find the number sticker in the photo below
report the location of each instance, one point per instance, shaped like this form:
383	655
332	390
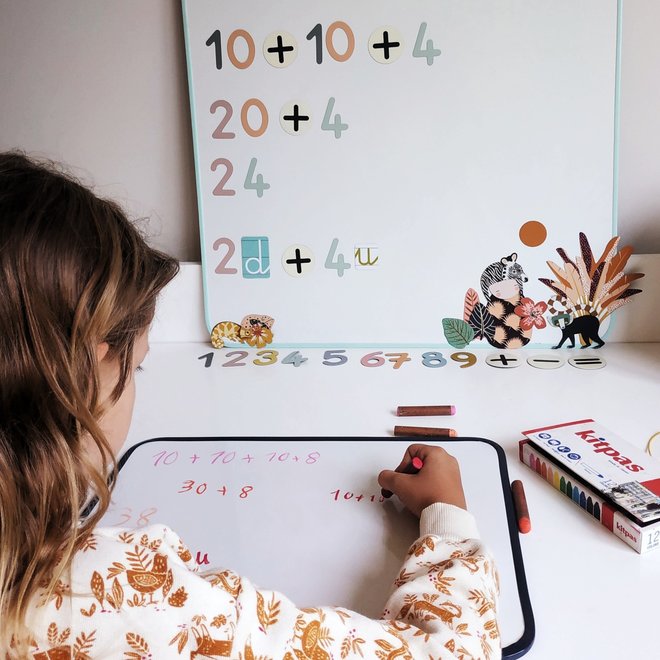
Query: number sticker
258	185
330	42
219	133
336	261
221	268
216	40
208	359
433	359
317	33
295	358
254	132
336	124
398	358
270	357
231	50
236	362
465	359
338	355
373	359
428	51
220	190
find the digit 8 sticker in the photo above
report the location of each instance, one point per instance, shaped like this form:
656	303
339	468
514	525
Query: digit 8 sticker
433	359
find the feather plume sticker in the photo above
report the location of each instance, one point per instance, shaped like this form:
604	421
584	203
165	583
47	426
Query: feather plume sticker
588	290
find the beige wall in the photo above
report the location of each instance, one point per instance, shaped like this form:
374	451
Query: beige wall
101	85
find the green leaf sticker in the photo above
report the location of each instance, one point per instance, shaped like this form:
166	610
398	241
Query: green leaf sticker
457	332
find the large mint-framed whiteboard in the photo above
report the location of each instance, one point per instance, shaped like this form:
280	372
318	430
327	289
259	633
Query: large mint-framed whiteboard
305	516
361	164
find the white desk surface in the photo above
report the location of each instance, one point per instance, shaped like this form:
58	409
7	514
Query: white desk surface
592	595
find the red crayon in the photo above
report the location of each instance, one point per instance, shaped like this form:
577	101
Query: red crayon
520	502
413	468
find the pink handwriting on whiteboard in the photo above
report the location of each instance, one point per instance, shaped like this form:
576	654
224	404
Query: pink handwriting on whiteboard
345	495
200	487
225	457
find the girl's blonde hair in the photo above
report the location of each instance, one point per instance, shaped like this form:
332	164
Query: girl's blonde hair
74	272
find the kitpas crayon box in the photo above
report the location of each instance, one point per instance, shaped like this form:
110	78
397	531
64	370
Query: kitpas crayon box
611	480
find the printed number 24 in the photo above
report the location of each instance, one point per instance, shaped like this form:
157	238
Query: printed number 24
253	180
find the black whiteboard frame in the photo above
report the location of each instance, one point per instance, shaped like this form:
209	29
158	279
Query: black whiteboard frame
512	651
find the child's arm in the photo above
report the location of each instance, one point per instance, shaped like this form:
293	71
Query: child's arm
443	605
444	599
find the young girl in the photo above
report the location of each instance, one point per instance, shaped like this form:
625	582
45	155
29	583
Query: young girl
78	287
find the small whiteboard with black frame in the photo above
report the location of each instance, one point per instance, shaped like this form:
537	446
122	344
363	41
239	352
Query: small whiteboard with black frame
306	517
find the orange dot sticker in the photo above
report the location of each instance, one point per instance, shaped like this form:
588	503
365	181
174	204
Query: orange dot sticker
533	233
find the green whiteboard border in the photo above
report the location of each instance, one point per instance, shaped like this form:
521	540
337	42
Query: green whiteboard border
512	651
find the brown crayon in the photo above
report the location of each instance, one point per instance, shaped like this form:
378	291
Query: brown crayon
520	502
424	411
424	432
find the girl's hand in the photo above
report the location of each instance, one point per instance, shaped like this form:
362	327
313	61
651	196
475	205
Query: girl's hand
439	480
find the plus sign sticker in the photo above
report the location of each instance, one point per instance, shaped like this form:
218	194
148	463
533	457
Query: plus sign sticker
386	45
298	260
503	360
280	49
295	118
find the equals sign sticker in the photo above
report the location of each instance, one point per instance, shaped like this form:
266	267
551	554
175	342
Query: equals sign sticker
546	361
587	362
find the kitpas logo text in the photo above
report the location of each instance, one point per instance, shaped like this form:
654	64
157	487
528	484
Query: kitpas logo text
599	446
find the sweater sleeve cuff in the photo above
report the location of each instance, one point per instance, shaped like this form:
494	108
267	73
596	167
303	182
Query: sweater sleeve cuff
448	521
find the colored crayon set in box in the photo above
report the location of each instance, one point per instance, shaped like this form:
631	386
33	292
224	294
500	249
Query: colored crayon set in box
609	479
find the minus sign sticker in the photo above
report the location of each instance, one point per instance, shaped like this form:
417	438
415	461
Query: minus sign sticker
546	361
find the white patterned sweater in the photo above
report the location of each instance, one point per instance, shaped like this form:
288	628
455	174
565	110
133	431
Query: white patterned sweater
137	594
